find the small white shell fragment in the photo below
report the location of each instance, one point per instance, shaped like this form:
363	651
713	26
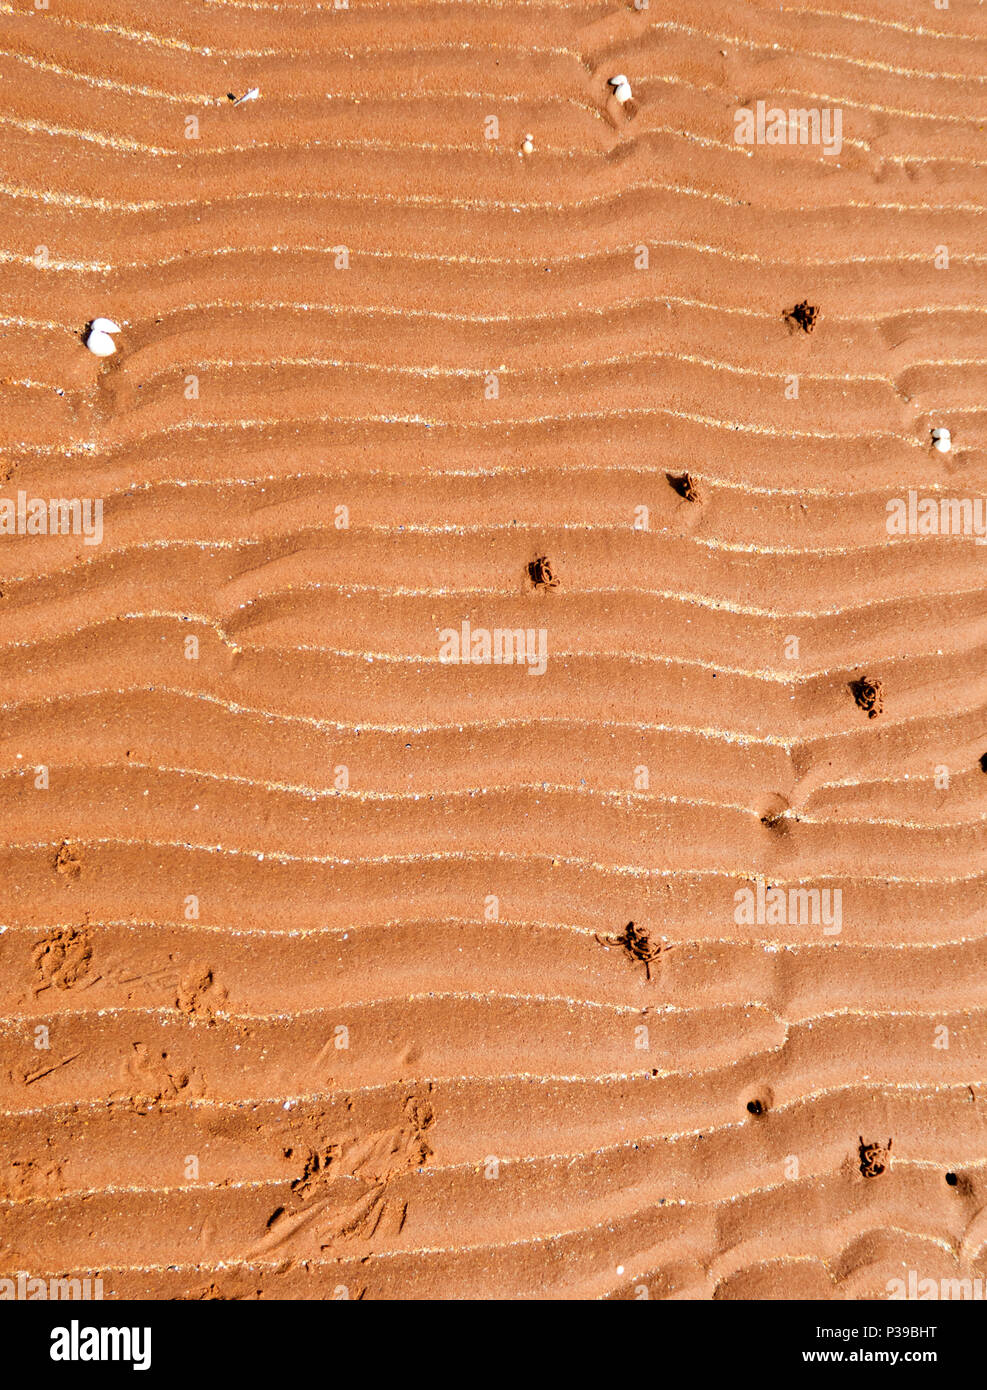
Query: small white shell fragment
529	145
252	95
941	441
101	344
621	88
98	339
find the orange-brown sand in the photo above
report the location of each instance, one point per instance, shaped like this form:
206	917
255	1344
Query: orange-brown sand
334	966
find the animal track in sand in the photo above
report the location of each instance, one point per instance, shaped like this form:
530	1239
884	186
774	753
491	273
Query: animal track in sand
30	1177
212	1293
62	959
155	1079
361	1206
199	997
68	861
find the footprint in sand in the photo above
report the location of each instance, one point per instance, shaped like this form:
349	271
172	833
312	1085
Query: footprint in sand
62	959
343	1190
68	861
199	997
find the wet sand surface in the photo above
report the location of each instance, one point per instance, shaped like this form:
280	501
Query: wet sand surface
317	975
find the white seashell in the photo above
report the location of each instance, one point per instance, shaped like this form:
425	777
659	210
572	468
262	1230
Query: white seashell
98	339
621	89
529	145
252	95
619	81
941	441
101	344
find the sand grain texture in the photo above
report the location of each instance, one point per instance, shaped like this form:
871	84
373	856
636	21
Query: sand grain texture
293	842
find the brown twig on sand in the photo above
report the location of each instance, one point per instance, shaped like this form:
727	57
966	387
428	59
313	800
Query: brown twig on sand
682	484
874	1158
804	316
638	944
540	573
869	696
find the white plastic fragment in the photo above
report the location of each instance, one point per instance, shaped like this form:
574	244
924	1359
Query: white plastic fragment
941	441
98	339
621	88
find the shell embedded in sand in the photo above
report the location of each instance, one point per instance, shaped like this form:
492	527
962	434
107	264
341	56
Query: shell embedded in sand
529	145
941	441
621	88
98	339
101	344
